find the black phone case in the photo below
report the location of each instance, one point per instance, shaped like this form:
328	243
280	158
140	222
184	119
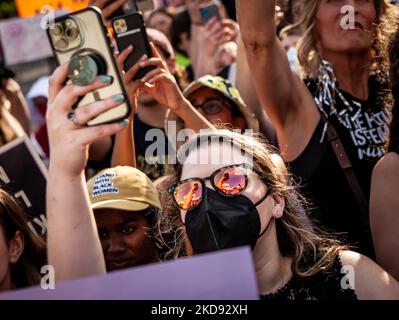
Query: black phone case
135	35
97	28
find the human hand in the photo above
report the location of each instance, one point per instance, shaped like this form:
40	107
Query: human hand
10	86
217	33
193	7
160	83
107	8
132	86
69	140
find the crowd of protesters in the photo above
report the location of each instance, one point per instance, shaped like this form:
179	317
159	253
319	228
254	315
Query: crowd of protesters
294	116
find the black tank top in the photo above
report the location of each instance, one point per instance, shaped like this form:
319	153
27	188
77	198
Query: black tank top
325	285
321	178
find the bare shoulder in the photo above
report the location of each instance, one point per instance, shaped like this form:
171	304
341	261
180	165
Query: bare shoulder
385	179
387	166
371	281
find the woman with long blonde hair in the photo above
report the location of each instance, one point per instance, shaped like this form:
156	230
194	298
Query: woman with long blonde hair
331	125
293	261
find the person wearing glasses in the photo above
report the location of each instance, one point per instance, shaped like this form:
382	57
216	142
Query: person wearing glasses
292	260
343	94
154	95
219	102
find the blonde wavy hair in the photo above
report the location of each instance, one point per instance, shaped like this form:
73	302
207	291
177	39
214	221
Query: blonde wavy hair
297	236
307	47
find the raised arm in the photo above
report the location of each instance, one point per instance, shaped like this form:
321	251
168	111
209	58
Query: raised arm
384	213
285	97
161	84
19	107
74	248
245	85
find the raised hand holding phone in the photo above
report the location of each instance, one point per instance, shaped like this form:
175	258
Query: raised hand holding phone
210	11
193	7
132	86
81	40
130	30
160	83
69	137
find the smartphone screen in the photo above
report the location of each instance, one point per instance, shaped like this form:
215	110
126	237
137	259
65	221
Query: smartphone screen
208	12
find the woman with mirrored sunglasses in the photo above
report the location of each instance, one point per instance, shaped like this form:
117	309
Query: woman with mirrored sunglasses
233	190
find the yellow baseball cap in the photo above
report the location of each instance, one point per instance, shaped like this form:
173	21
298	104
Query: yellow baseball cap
122	188
224	87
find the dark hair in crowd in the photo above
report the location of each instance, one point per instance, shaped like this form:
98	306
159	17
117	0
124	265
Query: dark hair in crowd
181	24
26	272
393	144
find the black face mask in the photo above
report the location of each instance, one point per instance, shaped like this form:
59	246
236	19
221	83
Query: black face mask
220	222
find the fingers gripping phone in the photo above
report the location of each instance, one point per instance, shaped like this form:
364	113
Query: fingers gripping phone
81	40
130	30
208	12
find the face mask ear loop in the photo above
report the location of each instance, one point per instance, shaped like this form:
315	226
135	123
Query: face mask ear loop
263	198
258	203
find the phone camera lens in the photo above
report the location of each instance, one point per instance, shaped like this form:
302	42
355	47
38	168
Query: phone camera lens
57	30
72	33
61	44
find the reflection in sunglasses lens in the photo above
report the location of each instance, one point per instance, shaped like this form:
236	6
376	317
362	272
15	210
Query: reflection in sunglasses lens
231	181
188	194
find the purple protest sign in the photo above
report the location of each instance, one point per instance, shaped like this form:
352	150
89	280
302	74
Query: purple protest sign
225	275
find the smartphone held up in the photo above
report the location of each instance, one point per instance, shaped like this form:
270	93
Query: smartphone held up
209	11
130	30
81	40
